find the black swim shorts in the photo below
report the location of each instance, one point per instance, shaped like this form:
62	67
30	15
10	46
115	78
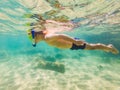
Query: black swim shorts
76	47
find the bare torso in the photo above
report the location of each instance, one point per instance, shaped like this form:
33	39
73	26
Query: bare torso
58	40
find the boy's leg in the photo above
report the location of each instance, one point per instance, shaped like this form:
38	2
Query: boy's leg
106	48
79	44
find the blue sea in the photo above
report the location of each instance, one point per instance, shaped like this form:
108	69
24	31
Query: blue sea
24	67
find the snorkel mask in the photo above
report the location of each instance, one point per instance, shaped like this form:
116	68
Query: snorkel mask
31	36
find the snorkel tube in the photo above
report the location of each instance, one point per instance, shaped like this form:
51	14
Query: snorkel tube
31	36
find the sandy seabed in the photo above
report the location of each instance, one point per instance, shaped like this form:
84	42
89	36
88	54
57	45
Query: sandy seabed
86	73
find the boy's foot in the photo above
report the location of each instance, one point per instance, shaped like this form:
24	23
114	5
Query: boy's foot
113	49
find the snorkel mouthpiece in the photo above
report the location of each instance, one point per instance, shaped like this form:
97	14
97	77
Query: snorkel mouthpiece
34	44
31	36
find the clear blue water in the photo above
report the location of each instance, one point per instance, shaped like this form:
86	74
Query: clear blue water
20	63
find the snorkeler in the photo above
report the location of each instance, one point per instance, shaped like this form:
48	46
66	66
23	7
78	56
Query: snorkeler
44	30
65	42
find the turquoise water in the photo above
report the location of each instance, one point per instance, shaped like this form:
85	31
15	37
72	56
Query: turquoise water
23	67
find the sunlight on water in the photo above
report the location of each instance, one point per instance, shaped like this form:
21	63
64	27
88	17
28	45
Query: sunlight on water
23	67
